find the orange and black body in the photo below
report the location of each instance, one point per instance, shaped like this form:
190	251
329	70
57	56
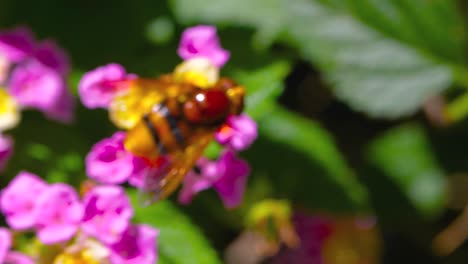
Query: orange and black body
181	125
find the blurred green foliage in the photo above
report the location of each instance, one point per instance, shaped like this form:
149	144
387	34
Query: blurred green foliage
180	242
406	157
381	58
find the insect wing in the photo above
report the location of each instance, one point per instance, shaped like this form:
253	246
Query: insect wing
128	107
162	181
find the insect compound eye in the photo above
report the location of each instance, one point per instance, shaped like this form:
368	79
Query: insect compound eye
215	104
207	106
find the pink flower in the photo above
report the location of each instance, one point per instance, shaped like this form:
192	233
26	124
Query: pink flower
17	44
109	162
18	200
5	243
107	213
6	149
98	87
18	258
231	184
238	133
59	213
38	79
137	246
7	256
51	55
202	41
228	176
141	169
195	182
35	85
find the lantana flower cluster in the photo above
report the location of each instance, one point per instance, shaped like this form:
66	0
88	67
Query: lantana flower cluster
33	75
109	162
94	228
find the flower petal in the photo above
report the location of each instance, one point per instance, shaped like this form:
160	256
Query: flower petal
18	200
202	42
6	150
231	185
98	87
107	213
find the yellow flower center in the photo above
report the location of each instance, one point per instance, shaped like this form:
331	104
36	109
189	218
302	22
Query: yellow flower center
9	112
74	259
90	252
199	72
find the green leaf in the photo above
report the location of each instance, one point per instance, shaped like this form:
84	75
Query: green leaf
263	87
374	53
179	241
405	156
302	161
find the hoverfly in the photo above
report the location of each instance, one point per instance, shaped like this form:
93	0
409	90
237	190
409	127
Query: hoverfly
173	124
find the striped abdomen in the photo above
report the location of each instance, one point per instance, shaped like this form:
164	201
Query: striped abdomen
159	132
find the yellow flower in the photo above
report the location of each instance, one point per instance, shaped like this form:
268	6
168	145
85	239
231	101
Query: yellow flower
198	71
9	111
89	252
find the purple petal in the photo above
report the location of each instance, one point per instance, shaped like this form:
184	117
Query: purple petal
59	213
109	162
193	184
56	233
36	86
197	182
231	185
98	87
202	41
18	258
107	213
16	44
6	150
141	169
137	246
238	133
51	55
5	243
18	200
